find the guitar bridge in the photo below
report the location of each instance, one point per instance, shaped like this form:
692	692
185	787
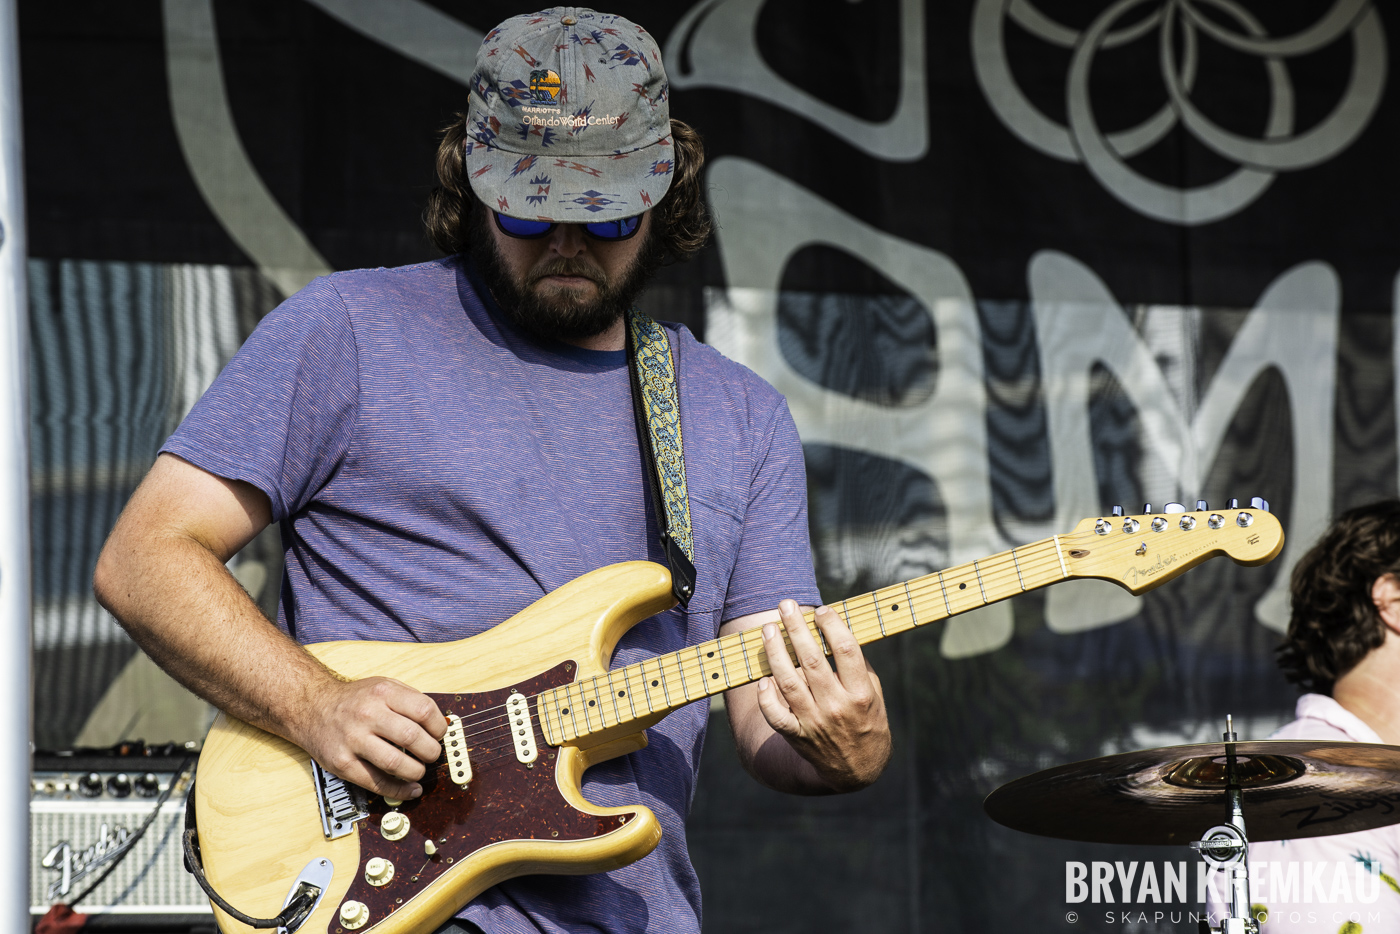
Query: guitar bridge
341	803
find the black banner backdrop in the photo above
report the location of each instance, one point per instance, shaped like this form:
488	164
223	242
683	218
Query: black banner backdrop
1012	263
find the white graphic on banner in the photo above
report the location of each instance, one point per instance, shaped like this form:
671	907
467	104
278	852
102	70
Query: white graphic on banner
213	150
416	30
765	219
1281	147
1078	323
715	45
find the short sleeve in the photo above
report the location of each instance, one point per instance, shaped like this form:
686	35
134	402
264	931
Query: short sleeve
282	413
774	561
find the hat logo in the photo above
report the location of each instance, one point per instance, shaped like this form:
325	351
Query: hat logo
544	86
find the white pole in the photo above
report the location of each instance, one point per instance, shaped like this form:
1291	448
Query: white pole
16	723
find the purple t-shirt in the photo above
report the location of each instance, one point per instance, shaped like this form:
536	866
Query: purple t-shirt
434	472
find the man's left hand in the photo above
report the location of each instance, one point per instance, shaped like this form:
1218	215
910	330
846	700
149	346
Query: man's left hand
835	720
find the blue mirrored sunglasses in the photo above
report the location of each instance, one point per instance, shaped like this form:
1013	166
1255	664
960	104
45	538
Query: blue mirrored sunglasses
523	229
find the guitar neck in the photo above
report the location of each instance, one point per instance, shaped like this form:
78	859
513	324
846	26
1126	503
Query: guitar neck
666	682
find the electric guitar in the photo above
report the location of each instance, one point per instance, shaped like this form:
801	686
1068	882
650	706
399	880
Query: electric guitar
531	704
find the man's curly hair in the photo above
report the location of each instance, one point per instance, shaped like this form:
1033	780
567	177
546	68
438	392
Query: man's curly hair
680	221
1334	623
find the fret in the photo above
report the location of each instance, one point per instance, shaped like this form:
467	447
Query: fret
646	685
577	707
665	689
765	667
680	671
552	735
627	686
693	695
591	705
573	710
719	644
1060	553
1017	563
710	677
595	703
612	697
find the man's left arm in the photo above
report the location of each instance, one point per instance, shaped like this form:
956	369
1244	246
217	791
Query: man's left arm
809	729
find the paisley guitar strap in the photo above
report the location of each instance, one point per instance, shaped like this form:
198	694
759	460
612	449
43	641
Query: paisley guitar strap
656	405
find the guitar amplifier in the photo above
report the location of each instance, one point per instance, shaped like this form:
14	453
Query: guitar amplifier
83	808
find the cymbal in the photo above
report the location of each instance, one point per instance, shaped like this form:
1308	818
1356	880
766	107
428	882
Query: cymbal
1291	789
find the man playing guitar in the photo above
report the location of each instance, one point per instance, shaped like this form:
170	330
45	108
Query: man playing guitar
443	444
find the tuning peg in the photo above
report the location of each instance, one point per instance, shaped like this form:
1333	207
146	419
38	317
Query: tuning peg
1258	502
1147	509
1117	510
1201	505
1174	507
1233	504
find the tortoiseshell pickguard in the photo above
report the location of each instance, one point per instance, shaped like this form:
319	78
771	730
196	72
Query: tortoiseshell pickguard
505	800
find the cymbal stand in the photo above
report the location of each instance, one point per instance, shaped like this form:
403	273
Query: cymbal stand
1226	847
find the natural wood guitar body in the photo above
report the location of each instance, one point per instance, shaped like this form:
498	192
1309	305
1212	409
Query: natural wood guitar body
255	803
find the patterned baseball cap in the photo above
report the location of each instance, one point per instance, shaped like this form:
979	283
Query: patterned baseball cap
569	118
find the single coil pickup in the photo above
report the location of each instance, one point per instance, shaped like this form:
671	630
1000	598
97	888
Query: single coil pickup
522	731
454	744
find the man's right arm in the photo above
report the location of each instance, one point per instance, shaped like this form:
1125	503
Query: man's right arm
162	574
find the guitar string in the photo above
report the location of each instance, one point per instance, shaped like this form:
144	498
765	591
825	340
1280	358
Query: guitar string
1039	557
860	617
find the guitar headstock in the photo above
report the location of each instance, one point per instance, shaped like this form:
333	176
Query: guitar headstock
1143	551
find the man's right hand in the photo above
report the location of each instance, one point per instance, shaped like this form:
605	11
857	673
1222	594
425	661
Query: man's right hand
379	733
162	573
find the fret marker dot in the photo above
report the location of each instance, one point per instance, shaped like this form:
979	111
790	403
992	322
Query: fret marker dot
621	693
962	586
655	683
590	703
895	607
715	675
710	655
565	711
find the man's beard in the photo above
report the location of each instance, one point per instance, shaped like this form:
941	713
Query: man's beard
559	314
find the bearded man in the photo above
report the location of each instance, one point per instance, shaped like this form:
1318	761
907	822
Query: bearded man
443	444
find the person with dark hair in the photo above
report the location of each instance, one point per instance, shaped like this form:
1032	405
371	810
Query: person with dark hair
1343	650
444	444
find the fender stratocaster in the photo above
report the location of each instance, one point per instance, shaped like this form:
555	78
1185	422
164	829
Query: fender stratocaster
532	704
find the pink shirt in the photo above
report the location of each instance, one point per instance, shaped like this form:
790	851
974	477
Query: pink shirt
1319	885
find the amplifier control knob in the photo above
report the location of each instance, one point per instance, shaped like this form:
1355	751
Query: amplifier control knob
119	785
148	786
353	915
379	871
90	785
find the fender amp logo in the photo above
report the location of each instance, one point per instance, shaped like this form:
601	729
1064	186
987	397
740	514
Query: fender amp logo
73	865
1172	32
